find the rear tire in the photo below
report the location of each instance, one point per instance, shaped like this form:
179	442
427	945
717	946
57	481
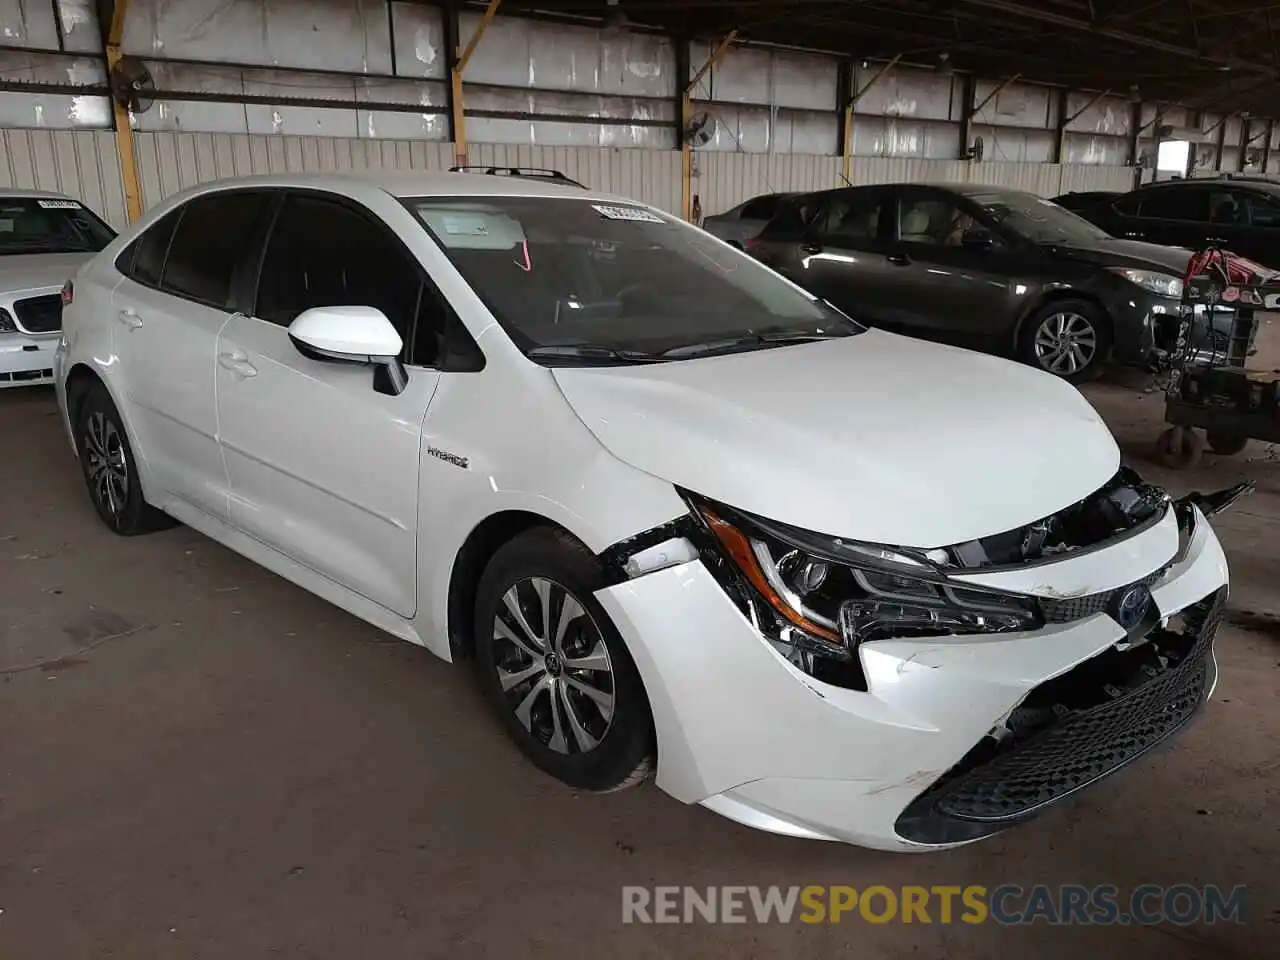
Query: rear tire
1069	338
554	667
110	470
1225	444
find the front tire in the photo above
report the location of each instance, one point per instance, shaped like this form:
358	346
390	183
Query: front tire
1069	338
110	470
554	667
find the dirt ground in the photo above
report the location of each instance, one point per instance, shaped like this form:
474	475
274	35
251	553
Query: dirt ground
236	769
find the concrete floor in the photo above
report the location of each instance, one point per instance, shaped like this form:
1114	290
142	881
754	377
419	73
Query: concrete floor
239	770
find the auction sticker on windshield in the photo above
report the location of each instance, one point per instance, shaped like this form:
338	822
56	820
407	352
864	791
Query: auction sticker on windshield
59	204
626	213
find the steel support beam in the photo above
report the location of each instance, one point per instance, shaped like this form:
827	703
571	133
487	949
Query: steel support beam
850	107
968	89
686	118
457	106
123	121
1000	88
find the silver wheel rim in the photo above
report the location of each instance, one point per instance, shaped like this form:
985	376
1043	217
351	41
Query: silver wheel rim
105	464
1066	343
553	666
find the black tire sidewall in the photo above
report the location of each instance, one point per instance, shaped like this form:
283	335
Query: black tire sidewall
543	552
1087	309
131	518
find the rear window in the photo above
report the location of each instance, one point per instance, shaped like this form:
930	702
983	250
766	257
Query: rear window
582	273
50	225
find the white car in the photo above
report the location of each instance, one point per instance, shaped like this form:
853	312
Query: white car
823	580
44	239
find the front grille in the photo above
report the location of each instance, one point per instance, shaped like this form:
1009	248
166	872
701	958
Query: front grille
979	798
40	314
1077	608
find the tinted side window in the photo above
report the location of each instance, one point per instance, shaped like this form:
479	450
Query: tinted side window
1176	204
324	254
1263	212
144	258
207	247
1128	205
934	220
760	209
852	218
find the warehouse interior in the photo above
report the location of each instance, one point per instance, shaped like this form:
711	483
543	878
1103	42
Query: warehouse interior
200	759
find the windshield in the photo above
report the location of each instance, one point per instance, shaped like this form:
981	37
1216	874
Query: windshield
582	281
1037	220
49	225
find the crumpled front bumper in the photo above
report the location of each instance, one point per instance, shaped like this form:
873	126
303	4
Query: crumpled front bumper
744	733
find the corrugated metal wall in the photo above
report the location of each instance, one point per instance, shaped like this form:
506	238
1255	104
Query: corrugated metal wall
83	163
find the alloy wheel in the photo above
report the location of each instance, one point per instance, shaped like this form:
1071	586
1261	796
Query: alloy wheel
1066	343
553	666
105	464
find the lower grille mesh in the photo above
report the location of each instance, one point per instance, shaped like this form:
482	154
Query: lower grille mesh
1082	748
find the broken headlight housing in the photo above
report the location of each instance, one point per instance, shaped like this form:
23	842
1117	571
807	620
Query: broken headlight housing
817	598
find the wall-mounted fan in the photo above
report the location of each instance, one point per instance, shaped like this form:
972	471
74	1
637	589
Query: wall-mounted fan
702	127
975	150
132	86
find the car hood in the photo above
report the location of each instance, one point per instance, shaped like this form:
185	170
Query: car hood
1130	253
24	271
874	437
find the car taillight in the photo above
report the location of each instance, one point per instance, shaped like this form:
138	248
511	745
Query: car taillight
753	246
68	292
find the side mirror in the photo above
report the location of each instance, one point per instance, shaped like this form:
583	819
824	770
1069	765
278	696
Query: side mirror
977	237
356	335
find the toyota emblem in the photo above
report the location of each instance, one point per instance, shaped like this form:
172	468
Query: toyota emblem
1132	606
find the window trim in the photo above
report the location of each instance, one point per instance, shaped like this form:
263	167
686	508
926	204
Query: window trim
459	351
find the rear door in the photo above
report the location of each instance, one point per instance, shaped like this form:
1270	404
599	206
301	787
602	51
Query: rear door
169	309
323	468
839	252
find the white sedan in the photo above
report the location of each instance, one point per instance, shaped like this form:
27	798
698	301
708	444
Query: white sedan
44	239
686	519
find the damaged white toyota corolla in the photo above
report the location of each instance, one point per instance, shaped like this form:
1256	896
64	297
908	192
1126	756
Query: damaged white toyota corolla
683	517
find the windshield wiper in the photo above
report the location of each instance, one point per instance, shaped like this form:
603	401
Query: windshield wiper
749	342
589	353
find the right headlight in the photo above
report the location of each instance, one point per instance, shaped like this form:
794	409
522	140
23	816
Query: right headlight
817	597
1165	284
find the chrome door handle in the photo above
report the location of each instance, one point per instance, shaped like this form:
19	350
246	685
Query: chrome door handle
238	364
129	318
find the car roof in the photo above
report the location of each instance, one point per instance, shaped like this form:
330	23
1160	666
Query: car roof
423	183
1259	186
13	193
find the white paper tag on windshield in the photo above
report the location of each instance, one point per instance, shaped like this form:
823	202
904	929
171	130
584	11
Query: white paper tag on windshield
59	204
626	213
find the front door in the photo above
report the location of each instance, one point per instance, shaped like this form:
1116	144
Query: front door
953	267
168	311
322	467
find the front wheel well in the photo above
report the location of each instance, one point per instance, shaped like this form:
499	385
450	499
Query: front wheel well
1054	296
476	552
